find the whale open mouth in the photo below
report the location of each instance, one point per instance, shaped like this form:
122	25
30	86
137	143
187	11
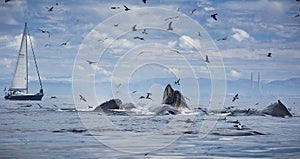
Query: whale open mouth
168	90
173	98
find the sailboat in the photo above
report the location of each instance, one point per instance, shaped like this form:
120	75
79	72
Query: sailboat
19	86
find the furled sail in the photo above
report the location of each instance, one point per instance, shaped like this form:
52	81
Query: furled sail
20	81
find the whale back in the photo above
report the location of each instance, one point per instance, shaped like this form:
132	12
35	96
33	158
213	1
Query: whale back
277	109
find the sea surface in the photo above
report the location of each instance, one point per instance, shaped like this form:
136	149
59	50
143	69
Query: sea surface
53	128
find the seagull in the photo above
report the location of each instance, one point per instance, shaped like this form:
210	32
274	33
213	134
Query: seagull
45	31
177	82
175	51
269	54
141	53
114	7
297	15
133	91
90	107
170	26
134	28
119	85
199	34
116	25
214	16
7	1
141	97
239	126
148	95
39	105
64	43
90	62
136	37
50	9
145	1
102	40
193	11
144	32
171	18
235	97
82	98
206	59
126	8
46	45
224	38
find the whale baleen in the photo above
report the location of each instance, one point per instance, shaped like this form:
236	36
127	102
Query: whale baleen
174	98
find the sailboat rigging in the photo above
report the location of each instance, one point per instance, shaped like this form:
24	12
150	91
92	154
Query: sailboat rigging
19	86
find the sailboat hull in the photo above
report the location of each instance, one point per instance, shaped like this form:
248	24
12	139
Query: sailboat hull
37	96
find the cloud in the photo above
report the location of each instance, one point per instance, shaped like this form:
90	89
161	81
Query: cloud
186	42
239	34
208	9
7	62
235	74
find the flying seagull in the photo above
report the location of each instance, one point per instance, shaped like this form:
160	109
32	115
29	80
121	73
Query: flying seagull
45	31
114	7
82	98
136	37
50	9
236	97
126	8
90	62
214	16
199	34
170	26
141	97
177	82
148	95
193	11
175	51
171	18
224	38
206	59
269	54
102	40
134	28
64	43
7	1
116	25
297	15
141	53
145	1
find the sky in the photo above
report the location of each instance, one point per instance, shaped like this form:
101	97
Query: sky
95	32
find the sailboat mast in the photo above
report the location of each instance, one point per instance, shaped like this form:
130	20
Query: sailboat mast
25	34
35	62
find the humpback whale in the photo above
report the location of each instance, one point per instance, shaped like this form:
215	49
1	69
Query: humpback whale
277	109
174	98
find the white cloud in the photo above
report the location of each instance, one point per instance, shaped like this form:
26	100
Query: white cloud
208	9
235	74
239	34
187	42
7	62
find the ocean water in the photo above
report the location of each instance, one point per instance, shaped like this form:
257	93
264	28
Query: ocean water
53	129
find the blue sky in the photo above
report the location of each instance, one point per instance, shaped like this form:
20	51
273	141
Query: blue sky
253	28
